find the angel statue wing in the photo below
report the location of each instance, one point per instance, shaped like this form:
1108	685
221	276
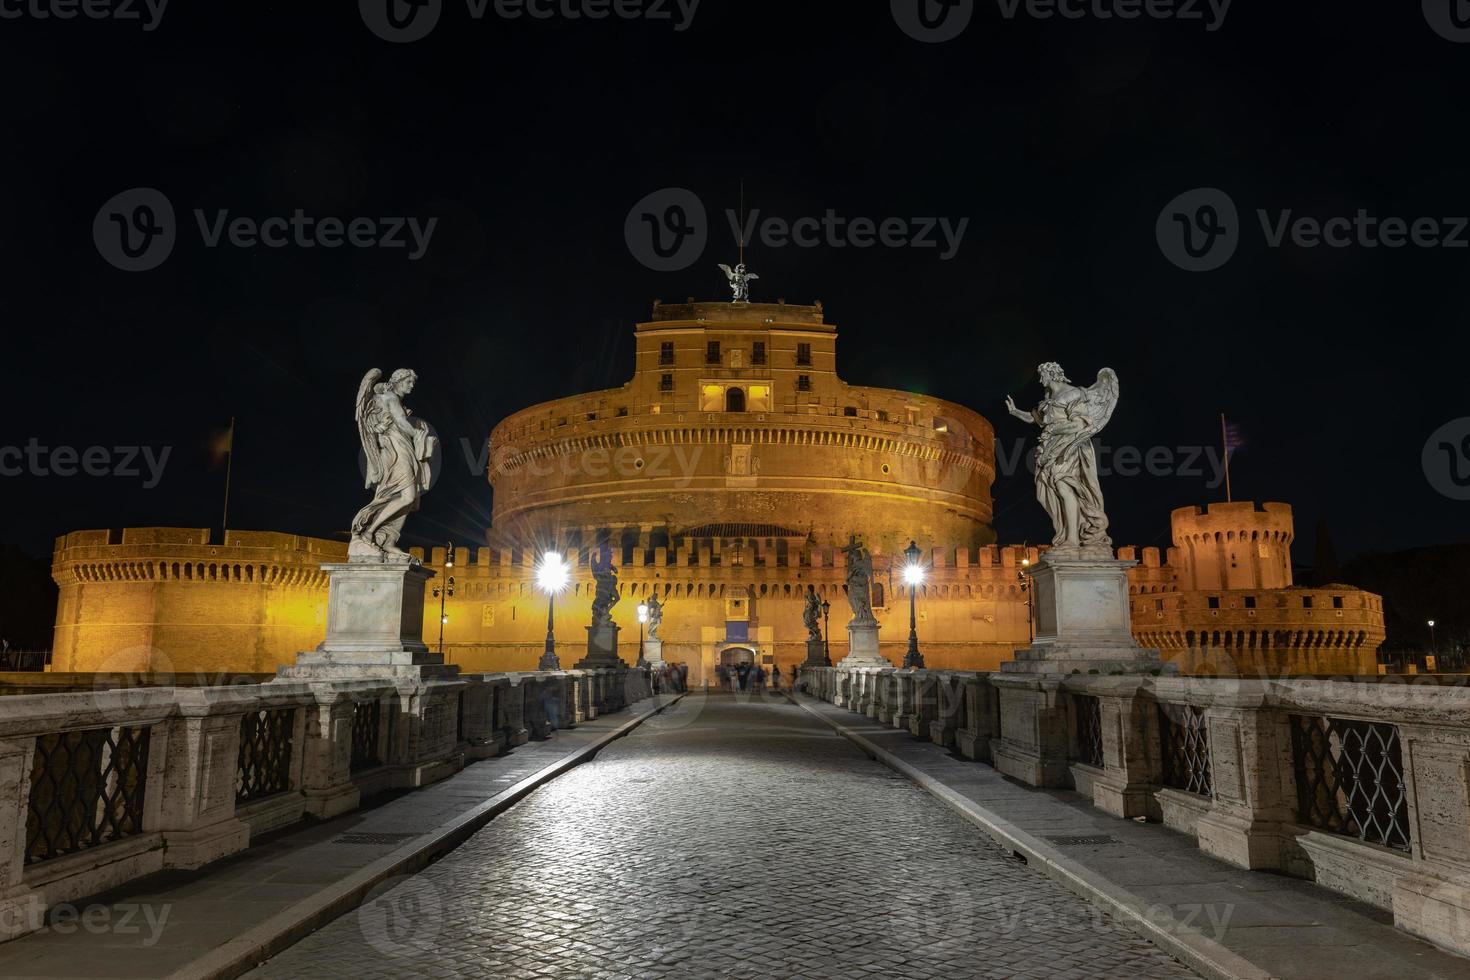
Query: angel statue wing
729	272
374	471
751	275
1101	399
1096	405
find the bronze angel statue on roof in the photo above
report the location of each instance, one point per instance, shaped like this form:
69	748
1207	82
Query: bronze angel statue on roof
739	281
1066	463
398	449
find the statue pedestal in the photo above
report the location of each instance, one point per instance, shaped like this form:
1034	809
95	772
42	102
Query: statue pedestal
602	649
862	646
653	653
1083	626
816	654
375	626
1083	621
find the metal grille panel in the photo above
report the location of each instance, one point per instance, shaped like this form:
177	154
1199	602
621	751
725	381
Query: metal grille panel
366	728
1089	730
87	788
1186	744
264	766
1350	779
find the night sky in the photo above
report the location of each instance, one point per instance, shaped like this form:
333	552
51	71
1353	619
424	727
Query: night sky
1061	141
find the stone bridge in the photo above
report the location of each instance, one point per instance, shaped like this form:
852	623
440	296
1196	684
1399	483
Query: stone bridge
875	822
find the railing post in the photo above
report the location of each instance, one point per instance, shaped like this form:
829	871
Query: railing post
1128	780
196	787
973	739
326	764
21	910
1253	779
1434	900
1033	744
949	708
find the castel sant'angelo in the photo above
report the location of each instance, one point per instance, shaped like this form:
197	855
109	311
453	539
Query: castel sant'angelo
725	477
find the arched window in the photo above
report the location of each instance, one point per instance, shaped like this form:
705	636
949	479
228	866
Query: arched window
735	399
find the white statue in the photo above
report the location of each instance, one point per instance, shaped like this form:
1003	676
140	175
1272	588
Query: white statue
859	581
655	616
1066	463
739	281
398	450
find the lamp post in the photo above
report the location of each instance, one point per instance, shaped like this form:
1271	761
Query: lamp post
445	592
1433	648
913	577
642	618
552	577
826	633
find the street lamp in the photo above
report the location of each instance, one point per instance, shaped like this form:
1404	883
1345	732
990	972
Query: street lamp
642	618
1433	648
551	577
826	633
444	593
913	577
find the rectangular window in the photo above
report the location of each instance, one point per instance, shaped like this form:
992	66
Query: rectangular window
1158	605
758	352
1306	602
1337	602
712	352
803	382
666	383
804	355
1250	602
666	352
1214	602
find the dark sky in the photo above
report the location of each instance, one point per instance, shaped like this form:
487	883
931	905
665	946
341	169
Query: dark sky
1061	141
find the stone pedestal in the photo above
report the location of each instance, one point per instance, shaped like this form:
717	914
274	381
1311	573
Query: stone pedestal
816	654
653	653
375	623
862	646
602	649
1083	622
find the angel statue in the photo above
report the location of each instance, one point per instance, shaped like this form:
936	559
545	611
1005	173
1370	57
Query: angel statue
1066	463
398	449
739	281
811	617
859	581
605	575
655	616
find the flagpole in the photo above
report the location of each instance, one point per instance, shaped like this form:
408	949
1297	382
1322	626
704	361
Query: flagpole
229	469
1225	442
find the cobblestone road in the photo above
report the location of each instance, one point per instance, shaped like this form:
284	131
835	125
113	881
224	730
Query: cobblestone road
726	838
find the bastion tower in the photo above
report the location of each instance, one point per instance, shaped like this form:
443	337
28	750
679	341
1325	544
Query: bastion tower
735	418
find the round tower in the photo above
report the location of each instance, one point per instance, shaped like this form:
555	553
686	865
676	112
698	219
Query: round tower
736	419
1241	545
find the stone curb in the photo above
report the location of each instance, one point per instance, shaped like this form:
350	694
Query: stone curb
286	928
1192	948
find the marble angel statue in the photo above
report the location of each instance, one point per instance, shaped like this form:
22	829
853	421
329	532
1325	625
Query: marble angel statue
859	581
398	449
1066	463
605	580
